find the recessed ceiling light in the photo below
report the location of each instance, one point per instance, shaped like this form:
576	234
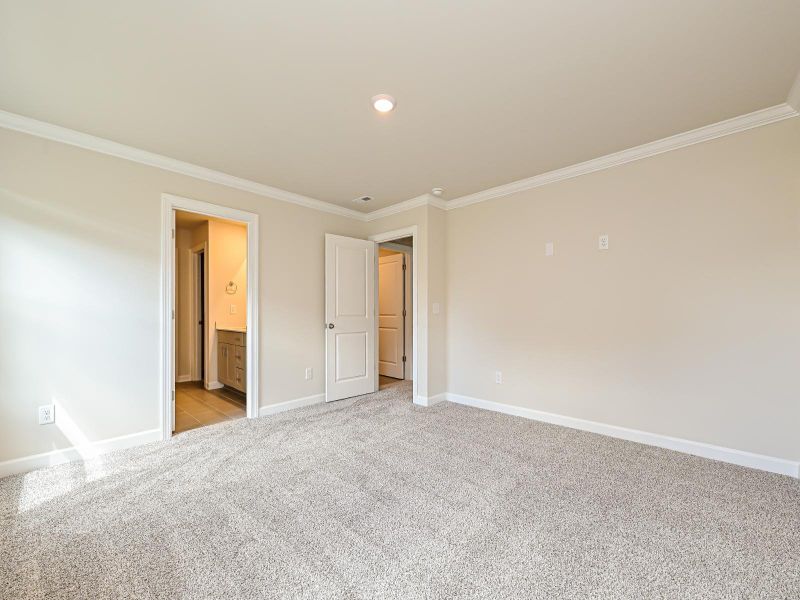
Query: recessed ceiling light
437	191
383	103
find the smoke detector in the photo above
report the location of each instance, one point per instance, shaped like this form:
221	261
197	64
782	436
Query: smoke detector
437	191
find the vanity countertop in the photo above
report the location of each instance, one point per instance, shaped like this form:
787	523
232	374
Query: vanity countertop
233	329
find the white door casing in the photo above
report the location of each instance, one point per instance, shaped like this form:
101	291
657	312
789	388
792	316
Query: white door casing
391	305
173	324
349	317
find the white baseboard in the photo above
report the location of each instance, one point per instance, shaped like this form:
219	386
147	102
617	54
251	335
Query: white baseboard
729	455
274	409
183	378
214	385
63	455
430	400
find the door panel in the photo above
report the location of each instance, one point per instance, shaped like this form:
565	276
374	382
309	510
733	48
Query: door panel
350	308
391	325
351	355
351	282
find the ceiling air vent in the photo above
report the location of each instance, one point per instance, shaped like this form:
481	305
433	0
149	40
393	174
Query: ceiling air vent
362	199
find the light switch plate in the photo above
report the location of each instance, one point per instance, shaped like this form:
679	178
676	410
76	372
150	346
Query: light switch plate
309	373
47	414
233	309
549	249
436	308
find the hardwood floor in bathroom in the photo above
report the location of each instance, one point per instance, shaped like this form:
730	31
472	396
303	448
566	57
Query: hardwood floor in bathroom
196	406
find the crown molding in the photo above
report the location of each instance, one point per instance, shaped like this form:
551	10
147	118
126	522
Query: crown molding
423	200
681	140
709	132
90	142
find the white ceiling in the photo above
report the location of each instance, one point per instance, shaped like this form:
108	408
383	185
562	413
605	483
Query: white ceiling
488	92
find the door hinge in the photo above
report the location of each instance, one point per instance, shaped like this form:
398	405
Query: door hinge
404	266
404	312
173	313
404	359
173	234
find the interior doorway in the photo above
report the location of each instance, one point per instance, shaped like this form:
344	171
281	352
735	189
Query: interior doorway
211	320
210	299
395	311
352	316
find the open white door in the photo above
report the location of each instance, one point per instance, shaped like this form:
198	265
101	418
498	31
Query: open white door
349	317
391	325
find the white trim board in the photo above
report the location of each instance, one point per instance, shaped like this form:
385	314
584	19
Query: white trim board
728	455
274	409
427	401
74	453
423	200
103	146
702	134
416	367
675	142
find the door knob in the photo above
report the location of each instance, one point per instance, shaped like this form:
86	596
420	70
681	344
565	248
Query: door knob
330	325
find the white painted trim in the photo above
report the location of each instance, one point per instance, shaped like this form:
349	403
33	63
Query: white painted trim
169	204
429	401
214	385
702	134
183	378
103	146
74	453
794	95
423	200
274	409
681	140
729	455
388	236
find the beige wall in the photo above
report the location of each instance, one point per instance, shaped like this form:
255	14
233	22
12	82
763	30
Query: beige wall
227	261
80	290
688	326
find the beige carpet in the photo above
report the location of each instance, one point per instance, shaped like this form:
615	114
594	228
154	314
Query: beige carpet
376	498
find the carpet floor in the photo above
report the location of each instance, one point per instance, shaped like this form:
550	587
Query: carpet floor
376	498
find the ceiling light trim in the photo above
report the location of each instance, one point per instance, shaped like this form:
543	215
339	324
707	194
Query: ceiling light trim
86	141
681	140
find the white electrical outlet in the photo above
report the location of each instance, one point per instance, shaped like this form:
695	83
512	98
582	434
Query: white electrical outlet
549	249
309	373
233	309
47	414
498	377
602	243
